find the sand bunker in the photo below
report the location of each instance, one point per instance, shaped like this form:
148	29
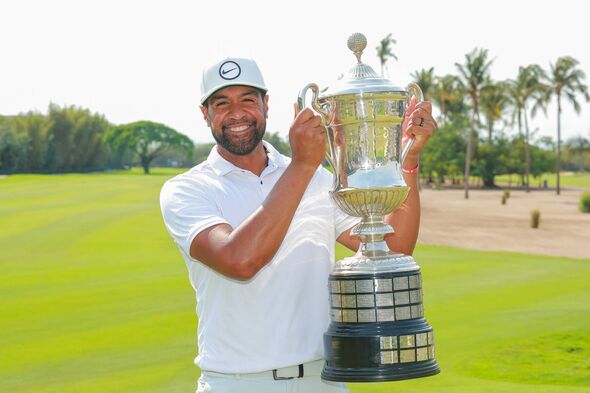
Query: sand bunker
483	223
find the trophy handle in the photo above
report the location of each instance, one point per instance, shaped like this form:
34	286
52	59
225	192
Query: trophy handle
325	115
415	91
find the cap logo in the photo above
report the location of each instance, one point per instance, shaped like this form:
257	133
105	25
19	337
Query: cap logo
229	70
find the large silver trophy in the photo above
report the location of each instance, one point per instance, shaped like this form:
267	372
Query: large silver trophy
377	331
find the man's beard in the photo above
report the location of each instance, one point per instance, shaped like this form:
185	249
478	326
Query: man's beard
240	146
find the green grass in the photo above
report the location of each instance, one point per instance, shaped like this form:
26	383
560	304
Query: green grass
95	298
567	179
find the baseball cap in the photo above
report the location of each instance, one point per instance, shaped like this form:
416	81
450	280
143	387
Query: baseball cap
230	71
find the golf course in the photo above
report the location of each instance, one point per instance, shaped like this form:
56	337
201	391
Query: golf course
94	297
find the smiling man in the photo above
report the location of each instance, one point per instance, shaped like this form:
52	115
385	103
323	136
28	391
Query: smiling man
257	231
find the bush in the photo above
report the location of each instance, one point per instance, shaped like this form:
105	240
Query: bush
585	202
535	218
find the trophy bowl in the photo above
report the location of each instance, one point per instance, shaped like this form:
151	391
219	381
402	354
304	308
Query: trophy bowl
378	331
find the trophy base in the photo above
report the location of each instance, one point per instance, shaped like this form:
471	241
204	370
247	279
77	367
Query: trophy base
378	331
379	352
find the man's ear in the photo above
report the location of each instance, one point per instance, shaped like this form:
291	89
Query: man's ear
205	112
266	106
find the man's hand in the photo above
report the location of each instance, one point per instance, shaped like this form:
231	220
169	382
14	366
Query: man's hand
307	137
419	124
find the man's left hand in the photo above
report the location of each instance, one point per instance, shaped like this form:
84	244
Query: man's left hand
418	124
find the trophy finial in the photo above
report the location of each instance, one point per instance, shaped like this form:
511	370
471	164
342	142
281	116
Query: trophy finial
357	42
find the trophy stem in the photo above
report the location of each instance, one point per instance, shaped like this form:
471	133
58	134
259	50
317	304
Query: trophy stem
372	230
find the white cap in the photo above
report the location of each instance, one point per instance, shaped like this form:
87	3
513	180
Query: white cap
230	72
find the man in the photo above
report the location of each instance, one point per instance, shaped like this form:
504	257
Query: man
257	231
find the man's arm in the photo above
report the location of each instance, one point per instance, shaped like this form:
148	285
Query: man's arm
406	219
242	251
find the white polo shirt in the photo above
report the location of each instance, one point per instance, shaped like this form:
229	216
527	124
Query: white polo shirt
277	318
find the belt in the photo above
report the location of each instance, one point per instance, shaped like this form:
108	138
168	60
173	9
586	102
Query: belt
278	374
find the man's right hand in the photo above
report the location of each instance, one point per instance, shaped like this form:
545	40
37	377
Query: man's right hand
307	137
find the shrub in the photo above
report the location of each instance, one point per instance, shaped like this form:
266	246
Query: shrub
585	202
535	218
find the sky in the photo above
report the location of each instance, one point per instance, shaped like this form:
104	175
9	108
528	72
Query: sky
142	60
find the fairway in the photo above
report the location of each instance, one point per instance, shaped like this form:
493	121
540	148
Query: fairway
95	298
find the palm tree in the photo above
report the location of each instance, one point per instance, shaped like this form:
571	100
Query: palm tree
564	80
474	75
384	51
494	100
425	79
448	95
526	87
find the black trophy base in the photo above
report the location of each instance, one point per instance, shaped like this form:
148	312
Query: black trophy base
379	352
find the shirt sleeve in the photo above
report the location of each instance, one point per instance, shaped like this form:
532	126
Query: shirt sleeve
187	211
343	222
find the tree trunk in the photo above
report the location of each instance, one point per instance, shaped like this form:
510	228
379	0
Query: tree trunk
558	161
468	156
145	163
527	153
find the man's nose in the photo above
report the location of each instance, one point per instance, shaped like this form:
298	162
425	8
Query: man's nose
236	112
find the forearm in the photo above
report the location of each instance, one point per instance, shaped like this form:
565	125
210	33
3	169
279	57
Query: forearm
406	219
242	251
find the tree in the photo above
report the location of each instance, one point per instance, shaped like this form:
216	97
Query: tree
474	75
384	51
526	87
566	80
494	101
148	140
447	93
426	80
278	142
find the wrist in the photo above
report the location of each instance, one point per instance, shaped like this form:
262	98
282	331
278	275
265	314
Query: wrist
411	163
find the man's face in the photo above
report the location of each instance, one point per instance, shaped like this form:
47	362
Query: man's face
237	118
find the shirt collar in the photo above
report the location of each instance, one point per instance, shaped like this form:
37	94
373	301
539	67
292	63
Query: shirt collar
222	167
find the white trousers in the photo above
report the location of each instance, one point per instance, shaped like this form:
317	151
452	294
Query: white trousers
264	382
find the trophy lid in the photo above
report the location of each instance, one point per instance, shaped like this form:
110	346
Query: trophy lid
361	78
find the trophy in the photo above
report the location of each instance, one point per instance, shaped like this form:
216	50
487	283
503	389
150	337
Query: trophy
378	331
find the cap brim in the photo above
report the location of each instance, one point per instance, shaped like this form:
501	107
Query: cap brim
227	84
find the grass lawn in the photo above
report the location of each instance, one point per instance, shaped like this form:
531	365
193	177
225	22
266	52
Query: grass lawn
567	179
95	298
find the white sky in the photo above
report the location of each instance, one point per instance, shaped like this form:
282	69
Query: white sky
142	60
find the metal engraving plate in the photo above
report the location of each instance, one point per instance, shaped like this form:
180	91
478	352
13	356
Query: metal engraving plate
388	342
336	315
365	300
400	283
421	340
348	301
384	299
364	286
416	296
415	281
402	313
335	300
422	354
407	356
367	315
430	337
385	315
388	357
407	341
401	298
431	352
383	285
335	286
417	311
347	286
349	316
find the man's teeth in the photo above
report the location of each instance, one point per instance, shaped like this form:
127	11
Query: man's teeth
239	128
